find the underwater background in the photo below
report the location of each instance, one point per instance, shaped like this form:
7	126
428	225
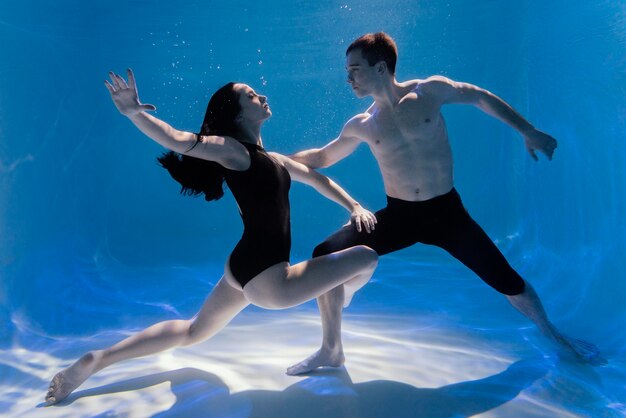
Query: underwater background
96	242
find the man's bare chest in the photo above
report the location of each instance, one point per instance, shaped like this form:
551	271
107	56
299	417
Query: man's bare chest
414	121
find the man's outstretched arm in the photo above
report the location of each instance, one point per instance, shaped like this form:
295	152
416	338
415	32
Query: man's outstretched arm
335	150
449	91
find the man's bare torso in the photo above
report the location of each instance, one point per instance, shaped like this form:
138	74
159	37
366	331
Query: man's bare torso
410	143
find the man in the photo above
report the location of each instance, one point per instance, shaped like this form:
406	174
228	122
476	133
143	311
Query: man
407	134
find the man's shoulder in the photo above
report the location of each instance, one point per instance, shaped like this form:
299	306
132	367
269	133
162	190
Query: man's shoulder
359	119
435	82
437	78
435	86
355	127
410	85
429	85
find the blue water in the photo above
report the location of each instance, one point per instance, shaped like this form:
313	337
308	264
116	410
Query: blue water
95	240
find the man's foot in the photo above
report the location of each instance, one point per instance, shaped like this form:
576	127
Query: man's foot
529	305
322	358
583	350
69	379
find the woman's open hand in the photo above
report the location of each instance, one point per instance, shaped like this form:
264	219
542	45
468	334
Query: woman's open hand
124	95
361	217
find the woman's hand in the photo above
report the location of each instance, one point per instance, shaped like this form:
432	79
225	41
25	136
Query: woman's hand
361	217
125	95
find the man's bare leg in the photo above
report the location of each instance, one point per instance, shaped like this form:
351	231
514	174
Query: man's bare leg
530	306
330	305
222	305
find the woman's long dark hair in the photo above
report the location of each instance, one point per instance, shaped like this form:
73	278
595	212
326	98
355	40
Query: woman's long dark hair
197	176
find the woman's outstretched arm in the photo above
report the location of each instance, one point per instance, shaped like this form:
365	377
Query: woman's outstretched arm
223	150
359	216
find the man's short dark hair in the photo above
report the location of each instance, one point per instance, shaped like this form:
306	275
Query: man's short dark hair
377	47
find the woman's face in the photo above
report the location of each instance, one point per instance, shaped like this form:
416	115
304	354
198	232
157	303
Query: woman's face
254	107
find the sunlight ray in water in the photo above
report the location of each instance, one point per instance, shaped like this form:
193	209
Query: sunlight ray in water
442	367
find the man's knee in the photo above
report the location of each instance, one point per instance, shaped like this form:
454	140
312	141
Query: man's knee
509	285
514	288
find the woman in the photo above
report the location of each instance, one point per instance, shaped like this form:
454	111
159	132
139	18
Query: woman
229	148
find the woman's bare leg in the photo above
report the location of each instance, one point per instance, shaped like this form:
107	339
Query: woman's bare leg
324	277
219	308
283	286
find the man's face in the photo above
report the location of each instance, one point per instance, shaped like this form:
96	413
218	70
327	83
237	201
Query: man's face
361	76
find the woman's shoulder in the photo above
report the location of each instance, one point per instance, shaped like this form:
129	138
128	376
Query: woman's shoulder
224	150
278	156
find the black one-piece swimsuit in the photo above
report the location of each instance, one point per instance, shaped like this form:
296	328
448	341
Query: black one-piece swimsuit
262	193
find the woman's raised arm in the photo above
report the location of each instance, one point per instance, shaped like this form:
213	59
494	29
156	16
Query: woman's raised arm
223	150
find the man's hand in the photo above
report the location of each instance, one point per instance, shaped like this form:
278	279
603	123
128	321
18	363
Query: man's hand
361	217
125	95
536	140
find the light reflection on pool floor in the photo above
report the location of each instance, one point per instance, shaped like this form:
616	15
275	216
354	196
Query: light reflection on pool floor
397	366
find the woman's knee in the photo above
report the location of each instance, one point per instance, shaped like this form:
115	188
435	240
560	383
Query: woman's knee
365	256
198	331
193	333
